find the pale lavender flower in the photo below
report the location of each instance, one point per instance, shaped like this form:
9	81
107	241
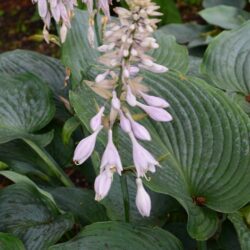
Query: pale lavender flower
157	114
130	97
139	131
154	67
143	201
124	123
96	121
85	148
143	159
104	6
101	77
116	104
102	184
111	158
154	100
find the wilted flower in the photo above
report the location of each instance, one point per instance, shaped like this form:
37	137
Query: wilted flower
143	201
63	10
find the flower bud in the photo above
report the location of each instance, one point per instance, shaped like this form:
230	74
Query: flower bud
124	123
116	104
157	114
96	121
85	148
139	131
130	98
143	201
154	100
103	184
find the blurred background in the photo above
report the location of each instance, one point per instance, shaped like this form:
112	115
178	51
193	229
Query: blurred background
193	22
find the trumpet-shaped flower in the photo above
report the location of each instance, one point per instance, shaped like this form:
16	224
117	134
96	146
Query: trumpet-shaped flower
143	159
111	158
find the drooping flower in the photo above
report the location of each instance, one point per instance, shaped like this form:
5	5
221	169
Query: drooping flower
124	123
143	201
85	148
96	121
157	114
139	131
102	184
143	159
154	101
111	158
63	10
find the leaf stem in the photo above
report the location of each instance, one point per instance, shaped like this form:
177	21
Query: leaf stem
201	245
97	30
52	164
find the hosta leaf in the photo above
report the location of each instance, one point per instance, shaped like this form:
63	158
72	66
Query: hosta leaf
26	106
226	17
10	242
242	230
235	3
226	60
205	145
49	69
27	214
116	235
169	10
185	33
80	202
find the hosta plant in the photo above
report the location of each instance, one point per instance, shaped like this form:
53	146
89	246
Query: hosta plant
126	142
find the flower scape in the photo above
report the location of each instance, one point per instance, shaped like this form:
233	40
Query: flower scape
125	46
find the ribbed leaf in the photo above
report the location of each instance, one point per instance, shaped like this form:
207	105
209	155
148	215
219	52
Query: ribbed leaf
226	17
10	242
205	145
26	106
29	215
242	230
49	69
115	235
80	202
235	3
227	60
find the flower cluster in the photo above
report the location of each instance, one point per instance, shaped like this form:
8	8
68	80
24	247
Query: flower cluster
62	11
125	48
